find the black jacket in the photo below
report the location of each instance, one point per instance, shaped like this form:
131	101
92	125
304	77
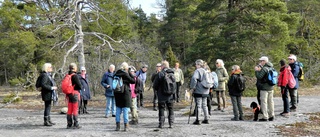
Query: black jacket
232	85
46	86
158	85
124	99
75	81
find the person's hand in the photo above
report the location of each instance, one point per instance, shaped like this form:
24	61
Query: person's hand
108	86
257	68
54	88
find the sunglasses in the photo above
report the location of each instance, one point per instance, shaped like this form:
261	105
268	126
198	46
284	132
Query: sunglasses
290	59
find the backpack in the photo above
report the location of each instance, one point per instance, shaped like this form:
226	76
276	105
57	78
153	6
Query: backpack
240	82
117	84
291	80
215	80
207	80
138	86
169	83
66	84
272	77
301	73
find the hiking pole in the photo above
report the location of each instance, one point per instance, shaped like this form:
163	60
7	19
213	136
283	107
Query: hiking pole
190	110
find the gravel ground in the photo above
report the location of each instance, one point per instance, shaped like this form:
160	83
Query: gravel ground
17	122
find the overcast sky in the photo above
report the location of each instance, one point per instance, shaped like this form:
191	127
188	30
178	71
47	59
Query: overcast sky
146	5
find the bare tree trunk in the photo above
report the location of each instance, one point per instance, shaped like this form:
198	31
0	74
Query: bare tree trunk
79	34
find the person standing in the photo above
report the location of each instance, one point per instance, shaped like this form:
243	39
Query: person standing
73	98
123	100
134	90
48	92
179	80
220	91
142	75
106	82
295	68
266	90
235	93
155	96
283	83
165	101
200	93
84	92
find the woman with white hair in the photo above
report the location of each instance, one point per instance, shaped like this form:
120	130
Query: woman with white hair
48	87
123	99
223	78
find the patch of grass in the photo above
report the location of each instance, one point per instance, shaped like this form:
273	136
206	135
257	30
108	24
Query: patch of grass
11	98
310	128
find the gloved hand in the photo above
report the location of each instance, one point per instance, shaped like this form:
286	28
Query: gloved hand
73	98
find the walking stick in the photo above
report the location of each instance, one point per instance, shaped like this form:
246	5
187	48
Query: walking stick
190	110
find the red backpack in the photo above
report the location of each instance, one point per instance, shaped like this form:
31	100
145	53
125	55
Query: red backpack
66	84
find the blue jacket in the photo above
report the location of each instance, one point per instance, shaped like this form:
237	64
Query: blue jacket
142	76
295	68
107	80
85	90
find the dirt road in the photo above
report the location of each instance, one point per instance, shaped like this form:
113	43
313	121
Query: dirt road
29	123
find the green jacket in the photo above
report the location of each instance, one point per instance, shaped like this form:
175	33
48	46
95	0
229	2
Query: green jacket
223	78
262	76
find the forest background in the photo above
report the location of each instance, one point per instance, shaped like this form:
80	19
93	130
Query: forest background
97	33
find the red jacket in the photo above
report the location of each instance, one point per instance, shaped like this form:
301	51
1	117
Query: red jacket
284	76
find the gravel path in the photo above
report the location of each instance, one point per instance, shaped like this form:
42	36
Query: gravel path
30	123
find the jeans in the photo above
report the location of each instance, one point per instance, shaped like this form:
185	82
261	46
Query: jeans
47	108
285	99
125	111
134	113
294	97
237	106
201	102
221	94
267	104
111	106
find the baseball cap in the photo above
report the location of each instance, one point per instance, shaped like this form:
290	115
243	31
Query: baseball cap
83	68
264	58
158	65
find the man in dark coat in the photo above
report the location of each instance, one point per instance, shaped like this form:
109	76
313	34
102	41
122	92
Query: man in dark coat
123	100
84	92
164	100
48	87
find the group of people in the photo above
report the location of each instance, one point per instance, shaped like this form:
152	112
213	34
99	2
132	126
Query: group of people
131	97
79	95
265	90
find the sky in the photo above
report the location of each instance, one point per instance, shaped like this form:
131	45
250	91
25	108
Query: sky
146	5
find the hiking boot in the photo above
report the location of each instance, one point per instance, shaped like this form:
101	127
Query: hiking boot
271	118
235	119
46	121
126	127
285	114
133	122
205	122
155	109
49	119
263	120
69	121
197	122
241	119
117	126
113	115
75	122
293	109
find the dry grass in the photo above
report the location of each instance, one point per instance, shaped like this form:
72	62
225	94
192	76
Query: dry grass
310	128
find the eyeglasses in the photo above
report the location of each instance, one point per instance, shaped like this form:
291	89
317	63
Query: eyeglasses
290	59
158	66
217	63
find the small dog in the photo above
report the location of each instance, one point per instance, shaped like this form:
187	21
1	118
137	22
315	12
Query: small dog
187	95
256	110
